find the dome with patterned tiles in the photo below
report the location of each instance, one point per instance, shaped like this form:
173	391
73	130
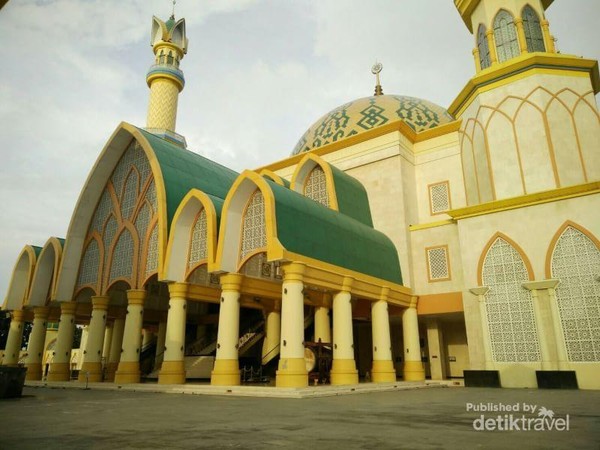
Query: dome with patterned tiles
367	113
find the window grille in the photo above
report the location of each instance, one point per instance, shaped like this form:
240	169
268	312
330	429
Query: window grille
439	197
437	262
130	195
510	316
197	251
533	30
122	258
316	186
152	261
484	49
102	211
505	34
88	272
253	226
576	263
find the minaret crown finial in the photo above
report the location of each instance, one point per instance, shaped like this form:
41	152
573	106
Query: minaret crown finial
376	70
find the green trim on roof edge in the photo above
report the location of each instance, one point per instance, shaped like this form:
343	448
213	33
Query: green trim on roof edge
310	229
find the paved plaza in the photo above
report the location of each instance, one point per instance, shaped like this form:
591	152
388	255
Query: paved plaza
57	418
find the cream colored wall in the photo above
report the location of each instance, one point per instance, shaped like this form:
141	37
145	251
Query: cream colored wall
534	134
455	341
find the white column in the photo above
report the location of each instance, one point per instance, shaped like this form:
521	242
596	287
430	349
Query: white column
129	365
292	366
437	353
15	336
173	367
91	369
485	331
561	348
343	368
160	343
226	371
116	345
322	322
37	338
383	370
273	334
60	368
107	342
413	367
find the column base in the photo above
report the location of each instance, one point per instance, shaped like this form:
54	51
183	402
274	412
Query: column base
59	372
292	373
225	373
413	371
383	372
172	372
93	371
343	371
111	369
34	371
128	372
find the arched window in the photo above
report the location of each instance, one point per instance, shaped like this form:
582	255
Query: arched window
253	225
316	186
170	58
505	34
197	251
533	30
510	316
483	47
576	263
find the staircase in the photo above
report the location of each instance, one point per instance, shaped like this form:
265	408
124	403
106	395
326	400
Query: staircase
273	352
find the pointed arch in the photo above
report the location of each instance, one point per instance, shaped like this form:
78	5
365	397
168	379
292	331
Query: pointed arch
509	307
575	261
98	179
195	201
558	234
505	36
483	47
305	168
232	218
20	280
513	244
122	260
532	29
45	273
92	263
269	174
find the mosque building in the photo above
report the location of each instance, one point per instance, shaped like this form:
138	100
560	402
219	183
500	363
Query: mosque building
405	239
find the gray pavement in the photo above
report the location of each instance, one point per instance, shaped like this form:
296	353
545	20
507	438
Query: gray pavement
51	418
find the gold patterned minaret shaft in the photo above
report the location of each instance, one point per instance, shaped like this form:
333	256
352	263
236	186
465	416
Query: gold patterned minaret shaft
164	78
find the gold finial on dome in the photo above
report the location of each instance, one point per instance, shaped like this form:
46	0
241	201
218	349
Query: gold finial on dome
375	70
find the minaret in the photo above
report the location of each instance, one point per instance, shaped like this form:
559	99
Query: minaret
164	77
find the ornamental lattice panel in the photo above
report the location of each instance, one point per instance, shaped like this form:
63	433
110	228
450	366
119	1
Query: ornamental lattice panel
505	35
316	186
439	198
576	263
437	262
129	196
254	234
197	251
510	316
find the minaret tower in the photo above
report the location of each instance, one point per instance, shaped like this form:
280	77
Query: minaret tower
164	77
530	122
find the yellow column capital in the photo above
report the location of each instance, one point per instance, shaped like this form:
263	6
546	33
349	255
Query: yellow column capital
136	296
68	307
100	302
178	289
327	300
347	284
231	281
18	315
41	312
385	293
413	302
293	271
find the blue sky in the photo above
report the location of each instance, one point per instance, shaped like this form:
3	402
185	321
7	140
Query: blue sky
258	73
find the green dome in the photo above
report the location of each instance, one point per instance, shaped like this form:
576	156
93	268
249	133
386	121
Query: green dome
367	113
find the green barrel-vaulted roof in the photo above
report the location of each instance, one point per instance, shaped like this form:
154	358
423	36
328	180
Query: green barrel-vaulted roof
183	170
351	196
313	230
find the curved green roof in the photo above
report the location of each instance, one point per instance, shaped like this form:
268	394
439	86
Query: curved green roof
351	196
183	170
313	230
37	250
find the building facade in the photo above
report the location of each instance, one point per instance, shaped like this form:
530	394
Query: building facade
411	239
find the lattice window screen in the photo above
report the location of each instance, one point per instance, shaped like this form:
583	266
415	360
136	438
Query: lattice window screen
152	261
484	49
200	276
197	251
104	208
510	316
439	198
122	258
437	262
505	34
253	226
576	263
316	186
88	272
533	30
130	195
151	196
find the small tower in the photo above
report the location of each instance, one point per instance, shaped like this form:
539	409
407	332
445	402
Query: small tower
164	77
